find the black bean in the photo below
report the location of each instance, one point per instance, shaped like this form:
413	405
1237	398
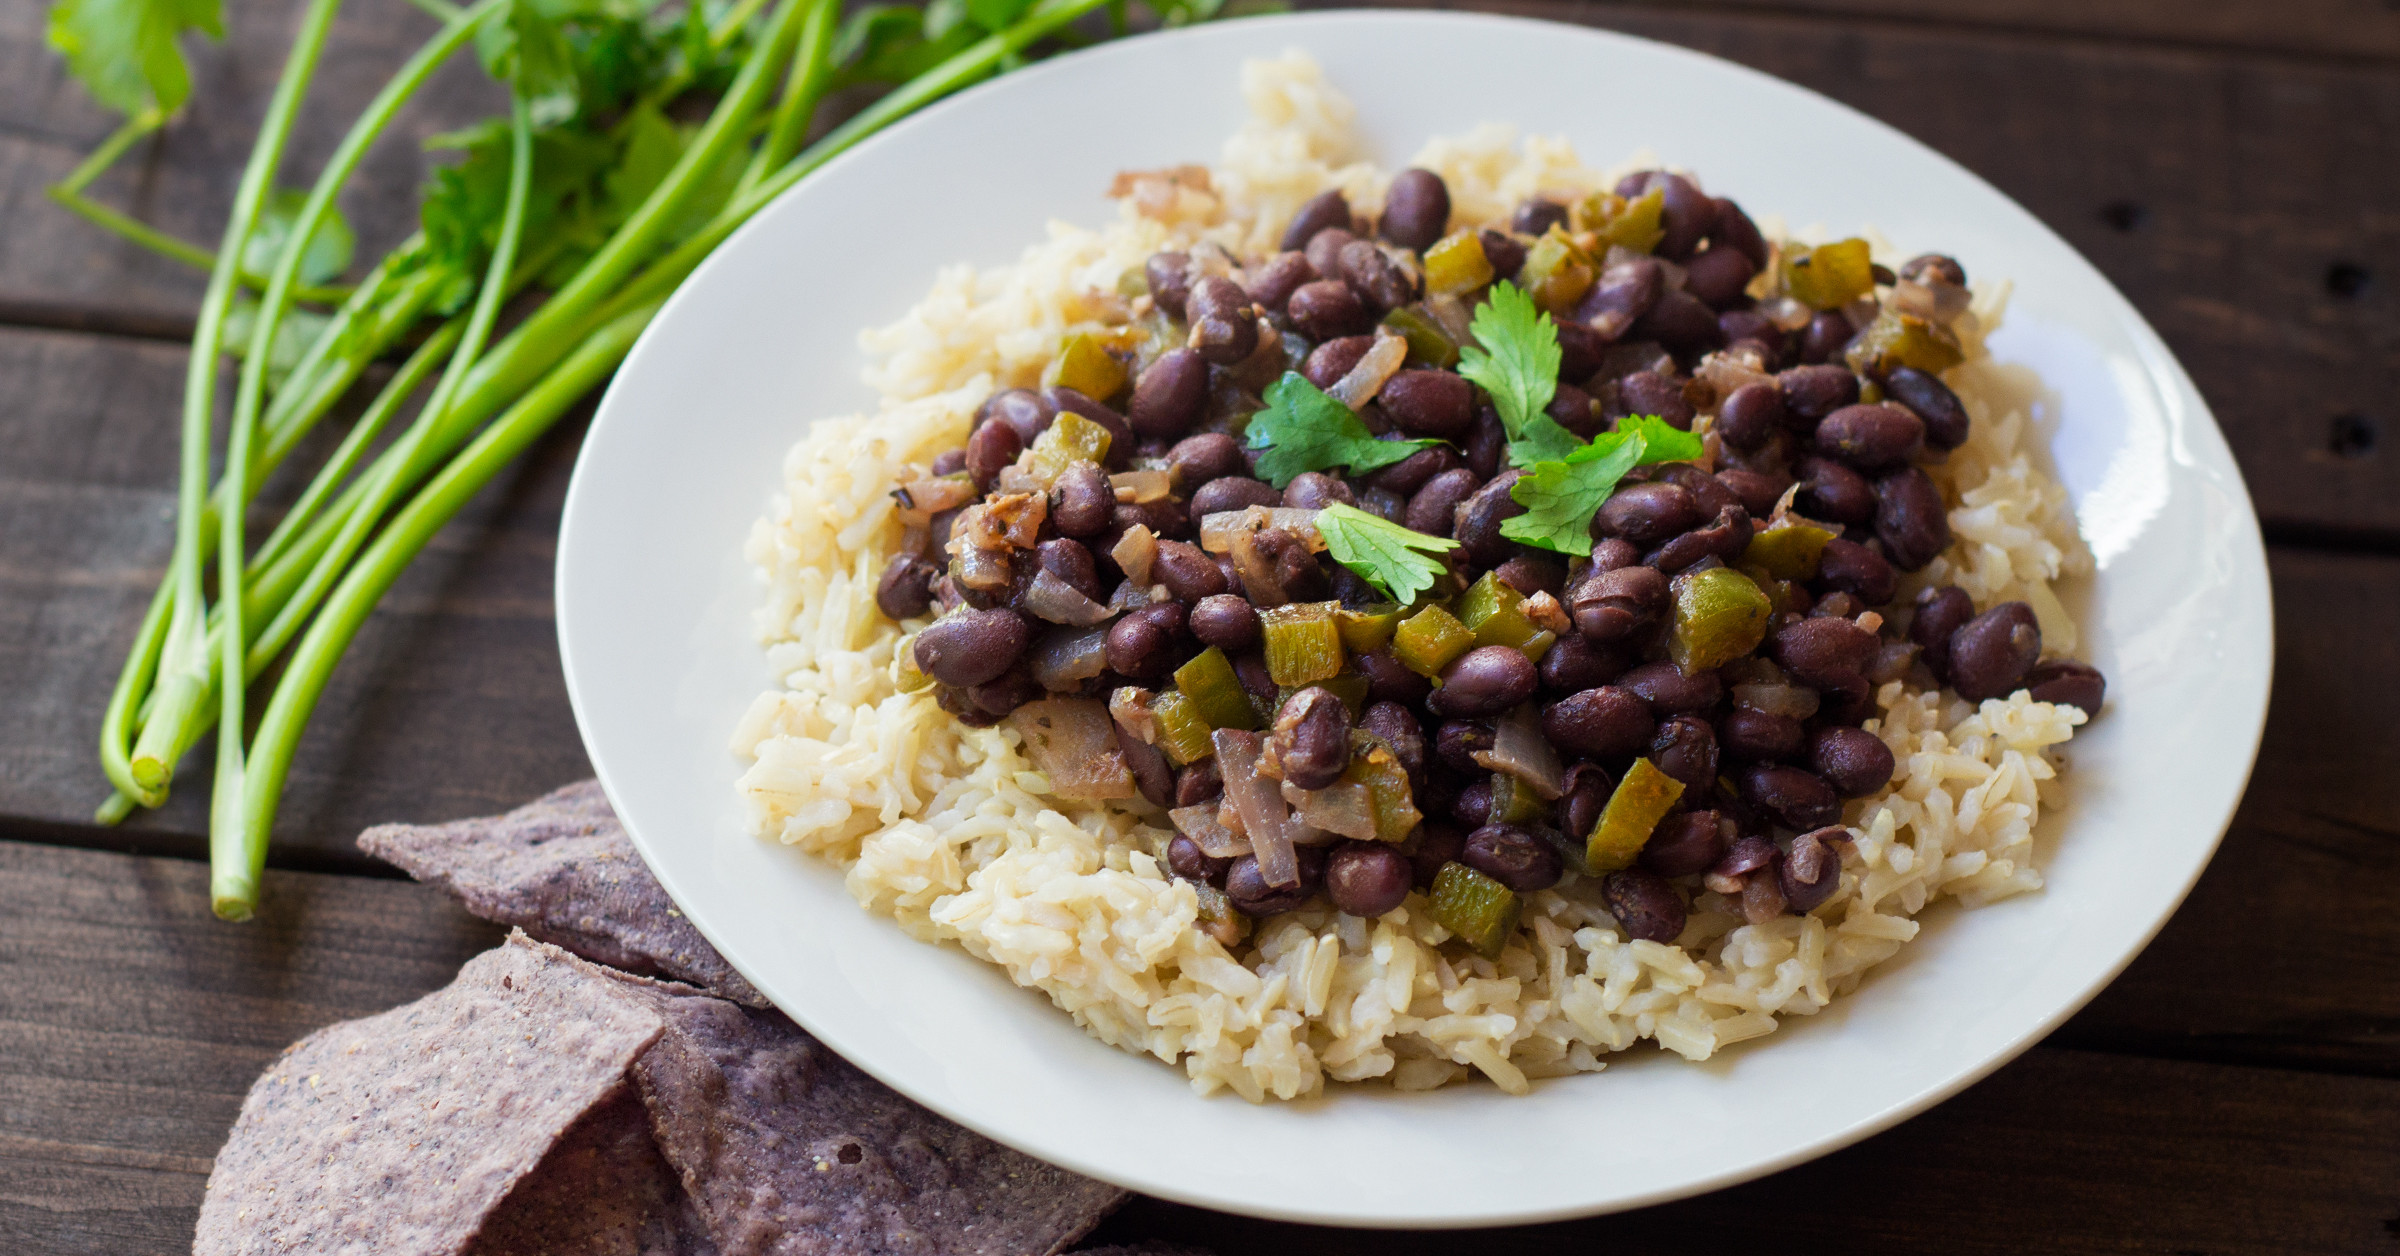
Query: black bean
1848	567
1152	774
1480	516
1740	324
1680	322
1170	395
1434	510
1531	573
1224	323
1252	896
1817	651
1165	517
1812	392
1198	783
1429	403
1312	738
1910	519
1486	449
1645	905
1505	252
1871	437
1325	251
1326	309
1847	698
906	589
1687	216
1685	844
972	646
1367	878
1580	802
1398	728
1734	230
1329	362
1575	410
2069	682
1718	277
1723	538
1515	857
1484	681
1612	554
1457	742
1754	736
1389	680
1195	460
1750	415
1669	692
950	462
1375	277
1940	612
1602	723
1576	662
1119	431
1685	748
1416	209
990	450
1624	293
1838	605
1315	490
1250	667
1437	843
1945	418
1188	573
1822	340
1296	570
1852	760
1926	266
1757	491
1068	560
1409	474
1612	604
1185	859
1027	411
1797	797
1537	214
1170	279
1473	805
1142	644
1081	500
1012	689
1328	208
1833	492
1647	514
1746	855
1233	492
1226	621
1272	282
1581	351
1990	654
1812	870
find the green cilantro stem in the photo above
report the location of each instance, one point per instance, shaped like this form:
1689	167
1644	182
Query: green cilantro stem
811	74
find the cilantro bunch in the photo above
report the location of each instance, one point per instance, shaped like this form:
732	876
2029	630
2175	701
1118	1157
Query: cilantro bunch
637	138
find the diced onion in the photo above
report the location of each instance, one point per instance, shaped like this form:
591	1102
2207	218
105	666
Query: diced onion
1066	657
1050	598
1382	361
1259	802
1793	700
1074	743
1940	301
1135	552
921	500
1019	516
1140	487
1520	749
1129	706
1199	823
1451	313
1347	809
1218	530
1786	313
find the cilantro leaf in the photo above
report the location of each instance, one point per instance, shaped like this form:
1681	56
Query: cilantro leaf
328	251
1515	358
1561	495
1384	554
124	51
1302	429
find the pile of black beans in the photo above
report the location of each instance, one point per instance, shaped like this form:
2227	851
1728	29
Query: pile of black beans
1767	748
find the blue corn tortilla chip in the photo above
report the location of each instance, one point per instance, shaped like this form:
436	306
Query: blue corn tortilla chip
403	1132
562	869
602	1191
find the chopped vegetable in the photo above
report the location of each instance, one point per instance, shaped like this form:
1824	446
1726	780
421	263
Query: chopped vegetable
1520	750
1258	800
1515	802
1789	548
1183	733
1215	691
1350	687
1829	276
1070	438
1494	611
1074	743
1720	615
1481	911
1302	644
1561	496
1457	264
1390	557
906	676
1373	765
1634	224
1428	344
1641	800
1344	807
1200	823
1556	273
1367	628
1375	368
1218	917
1515	358
1085	365
1431	640
1303	429
1895	339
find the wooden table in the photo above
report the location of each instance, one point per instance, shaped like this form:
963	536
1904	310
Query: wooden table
2234	167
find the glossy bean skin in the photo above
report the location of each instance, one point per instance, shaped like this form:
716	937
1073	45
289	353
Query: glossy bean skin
1812	392
1945	418
1224	324
1437	842
1795	796
1483	682
1679	321
1398	727
1604	723
1537	214
1152	774
1910	519
1480	516
1367	879
1312	738
1166	517
1750	415
1853	761
1819	650
1825	337
950	462
1577	811
1644	903
1457	742
1325	251
972	646
1940	612
1082	501
1723	537
2067	681
1169	396
1687	215
1429	403
1990	654
1486	449
1505	252
1070	561
1225	620
1576	662
1834	492
1327	309
1669	692
1232	492
1170	282
990	450
1006	692
1142	643
1581	351
1416	209
906	589
1329	362
1531	573
1271	283
1434	509
1624	293
1758	736
1659	396
1189	573
1029	412
1199	783
1685	844
1574	409
1685	747
1812	869
1871	437
1325	210
1848	567
1757	491
1412	473
1718	276
1613	605
1186	860
1516	857
1195	460
1252	896
1473	805
1390	680
1648	514
1734	229
1377	279
1120	432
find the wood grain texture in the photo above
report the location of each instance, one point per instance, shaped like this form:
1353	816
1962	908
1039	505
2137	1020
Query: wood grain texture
2340	30
134	1023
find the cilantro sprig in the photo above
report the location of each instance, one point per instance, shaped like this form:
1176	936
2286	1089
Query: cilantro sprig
1302	429
1395	559
1561	495
1515	358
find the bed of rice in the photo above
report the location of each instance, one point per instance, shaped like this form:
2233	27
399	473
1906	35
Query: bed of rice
947	830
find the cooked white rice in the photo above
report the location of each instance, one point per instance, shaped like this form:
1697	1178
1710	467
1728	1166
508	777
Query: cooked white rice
947	829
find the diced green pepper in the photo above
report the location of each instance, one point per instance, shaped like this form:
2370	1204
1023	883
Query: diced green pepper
1481	911
1790	549
1556	274
1642	799
1427	342
1429	640
1829	276
1895	339
1720	615
1303	645
1071	438
1218	917
1367	628
1182	730
1215	691
1085	365
1350	687
1457	264
1496	613
1373	765
1635	224
1515	802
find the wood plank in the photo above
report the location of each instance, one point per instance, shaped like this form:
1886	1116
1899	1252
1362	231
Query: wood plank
2346	30
135	1023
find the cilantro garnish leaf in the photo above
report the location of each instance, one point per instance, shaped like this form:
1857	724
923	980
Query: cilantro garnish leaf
1302	429
1392	558
1561	495
124	51
1515	358
328	251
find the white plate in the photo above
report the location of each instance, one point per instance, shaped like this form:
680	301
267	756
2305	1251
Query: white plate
654	611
